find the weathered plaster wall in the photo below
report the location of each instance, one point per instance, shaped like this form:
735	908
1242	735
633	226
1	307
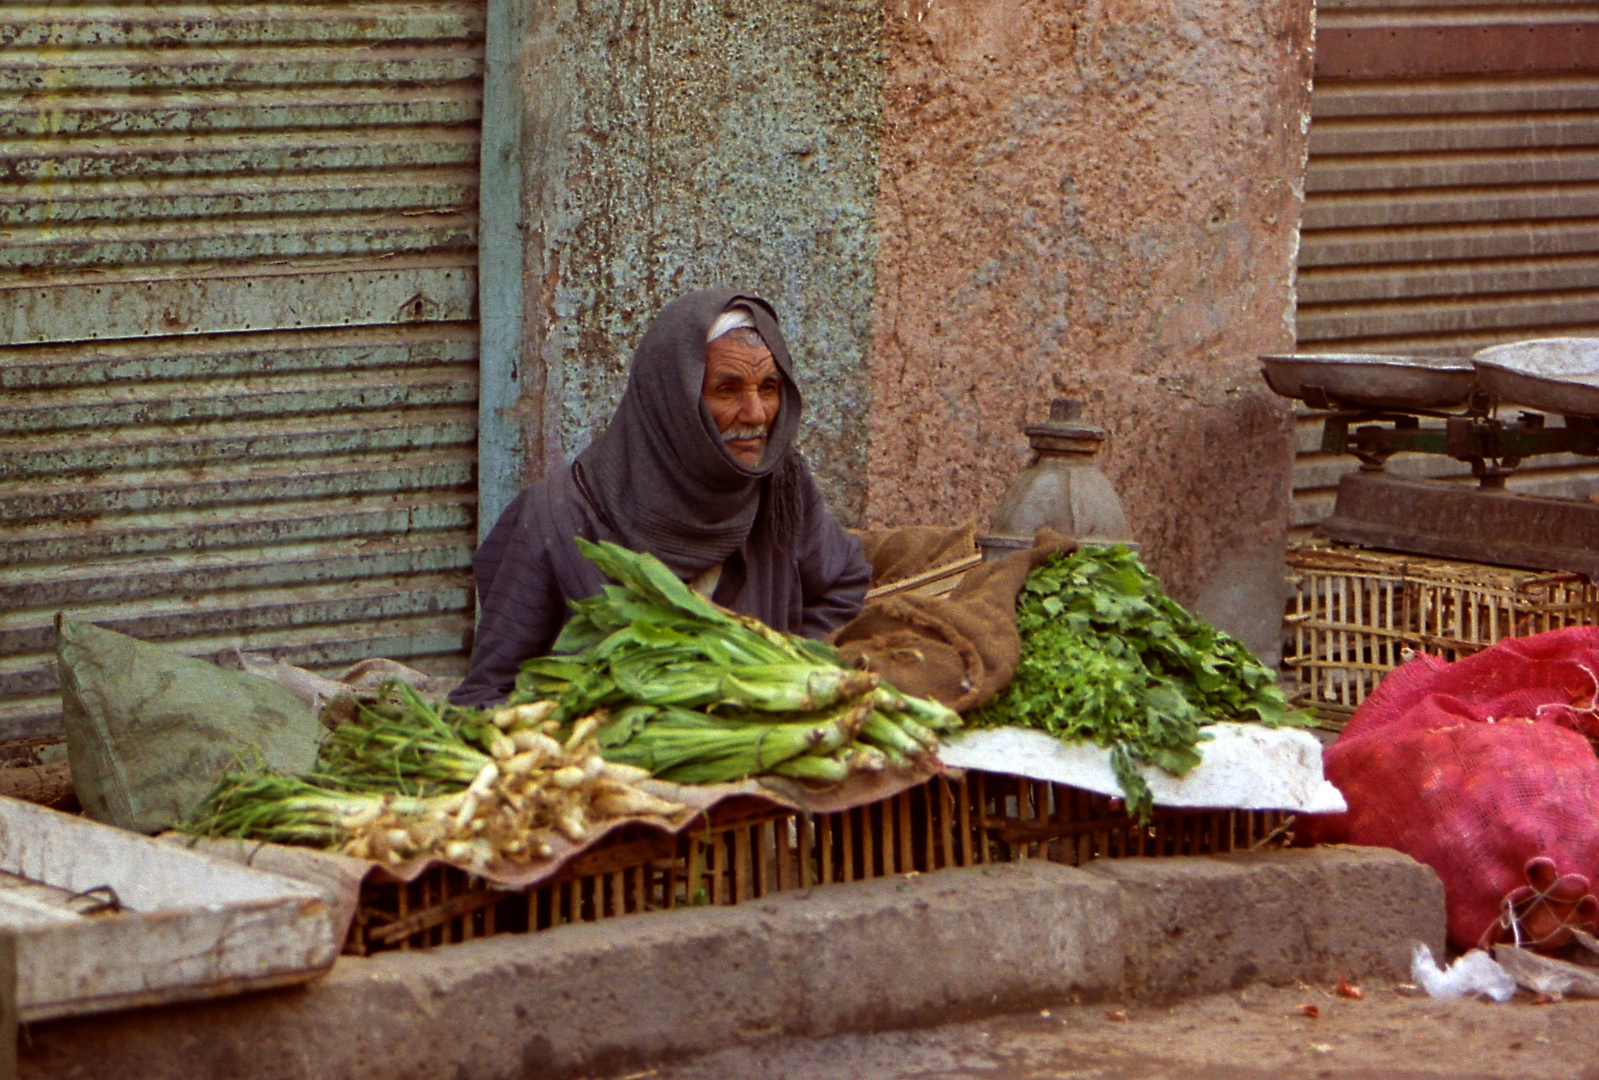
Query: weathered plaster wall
674	145
1097	198
962	209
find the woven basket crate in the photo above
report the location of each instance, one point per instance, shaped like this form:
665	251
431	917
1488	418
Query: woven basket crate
751	849
1032	819
1355	615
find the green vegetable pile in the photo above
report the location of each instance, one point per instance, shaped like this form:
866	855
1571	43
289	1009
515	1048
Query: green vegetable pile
400	778
695	694
1107	656
659	683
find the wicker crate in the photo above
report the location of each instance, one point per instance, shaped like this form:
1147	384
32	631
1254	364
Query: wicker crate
749	850
1355	615
1031	819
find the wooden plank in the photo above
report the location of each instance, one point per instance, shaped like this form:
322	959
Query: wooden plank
969	835
946	810
192	927
869	844
453	908
808	851
694	869
927	580
907	854
847	846
743	868
786	870
774	853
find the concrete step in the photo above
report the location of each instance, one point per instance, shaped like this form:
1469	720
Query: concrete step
895	952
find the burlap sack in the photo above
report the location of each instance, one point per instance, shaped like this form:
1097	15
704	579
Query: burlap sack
960	649
897	554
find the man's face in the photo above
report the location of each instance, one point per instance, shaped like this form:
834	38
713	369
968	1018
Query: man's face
743	390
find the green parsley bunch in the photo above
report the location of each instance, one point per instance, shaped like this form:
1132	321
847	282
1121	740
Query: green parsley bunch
1108	656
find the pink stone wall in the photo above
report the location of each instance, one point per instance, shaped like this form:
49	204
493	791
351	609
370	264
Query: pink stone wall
1096	198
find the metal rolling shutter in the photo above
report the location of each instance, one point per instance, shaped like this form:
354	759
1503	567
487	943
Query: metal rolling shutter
1451	198
238	348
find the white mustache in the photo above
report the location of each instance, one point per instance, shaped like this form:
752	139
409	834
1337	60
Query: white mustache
744	431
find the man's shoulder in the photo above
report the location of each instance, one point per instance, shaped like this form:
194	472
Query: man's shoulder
554	507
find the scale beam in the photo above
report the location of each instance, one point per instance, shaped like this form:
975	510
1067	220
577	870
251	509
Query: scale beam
1493	447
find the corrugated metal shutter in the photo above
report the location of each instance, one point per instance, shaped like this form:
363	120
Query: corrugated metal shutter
238	348
1451	198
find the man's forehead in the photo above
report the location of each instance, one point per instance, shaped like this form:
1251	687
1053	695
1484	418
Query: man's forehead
734	356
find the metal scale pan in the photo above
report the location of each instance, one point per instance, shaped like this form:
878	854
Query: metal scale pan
1486	524
1362	381
1553	375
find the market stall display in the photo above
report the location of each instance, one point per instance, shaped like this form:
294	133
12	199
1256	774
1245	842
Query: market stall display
654	680
757	840
672	753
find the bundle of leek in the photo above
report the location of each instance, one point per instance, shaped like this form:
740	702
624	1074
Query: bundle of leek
404	778
697	694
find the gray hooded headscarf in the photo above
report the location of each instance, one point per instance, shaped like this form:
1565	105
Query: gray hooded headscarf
660	476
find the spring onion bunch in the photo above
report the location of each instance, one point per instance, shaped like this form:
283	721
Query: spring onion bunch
698	694
403	778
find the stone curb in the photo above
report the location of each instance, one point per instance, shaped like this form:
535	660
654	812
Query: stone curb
1197	926
894	952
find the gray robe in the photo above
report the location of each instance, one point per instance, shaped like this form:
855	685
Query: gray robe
528	569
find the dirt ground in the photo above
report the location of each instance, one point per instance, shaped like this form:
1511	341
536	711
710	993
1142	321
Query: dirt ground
1256	1032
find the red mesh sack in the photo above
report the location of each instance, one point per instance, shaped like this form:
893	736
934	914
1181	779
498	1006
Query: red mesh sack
1477	769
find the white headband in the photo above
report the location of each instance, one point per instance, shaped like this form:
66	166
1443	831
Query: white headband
734	318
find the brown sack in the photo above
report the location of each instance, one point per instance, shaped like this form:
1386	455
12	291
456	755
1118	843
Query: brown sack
960	649
897	554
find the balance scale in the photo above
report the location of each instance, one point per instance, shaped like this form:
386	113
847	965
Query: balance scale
1373	406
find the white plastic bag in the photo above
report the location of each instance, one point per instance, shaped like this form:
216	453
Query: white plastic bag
1475	974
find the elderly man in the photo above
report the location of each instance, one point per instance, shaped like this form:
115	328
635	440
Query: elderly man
697	467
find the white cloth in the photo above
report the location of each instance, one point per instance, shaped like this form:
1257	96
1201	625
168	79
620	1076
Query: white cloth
1242	766
737	317
705	584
